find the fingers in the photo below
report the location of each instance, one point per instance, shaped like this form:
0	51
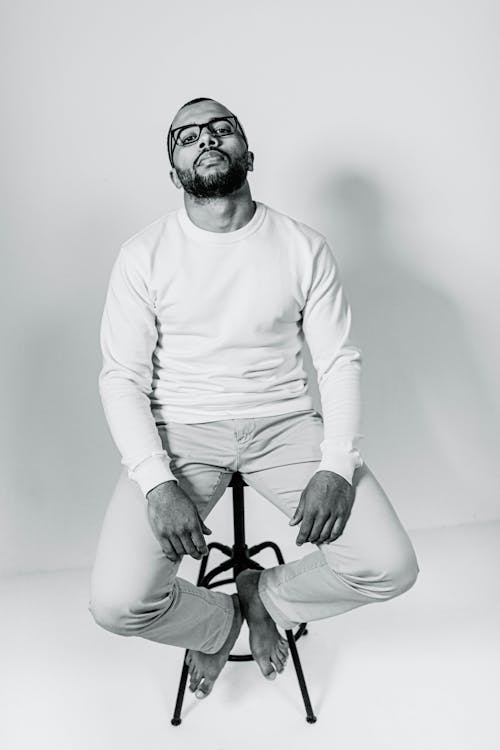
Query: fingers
327	530
188	543
196	541
204	528
177	545
305	528
323	510
337	529
189	547
299	513
169	551
199	542
317	528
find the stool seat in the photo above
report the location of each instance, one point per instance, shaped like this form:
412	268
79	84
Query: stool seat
240	557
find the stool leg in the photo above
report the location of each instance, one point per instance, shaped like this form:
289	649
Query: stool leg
176	718
310	717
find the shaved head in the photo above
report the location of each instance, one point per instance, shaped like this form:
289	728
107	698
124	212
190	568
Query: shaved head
178	119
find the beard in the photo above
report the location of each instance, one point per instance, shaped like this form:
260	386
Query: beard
216	185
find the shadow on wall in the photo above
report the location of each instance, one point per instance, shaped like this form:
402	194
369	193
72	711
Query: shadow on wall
428	411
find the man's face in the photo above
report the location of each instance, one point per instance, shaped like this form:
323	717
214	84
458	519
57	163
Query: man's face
215	165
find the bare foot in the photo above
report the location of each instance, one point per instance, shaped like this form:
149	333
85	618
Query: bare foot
205	668
268	647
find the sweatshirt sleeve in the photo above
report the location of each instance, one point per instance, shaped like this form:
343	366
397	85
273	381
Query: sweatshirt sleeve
128	338
326	323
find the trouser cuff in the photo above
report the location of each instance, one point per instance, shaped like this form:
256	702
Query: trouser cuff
274	611
224	630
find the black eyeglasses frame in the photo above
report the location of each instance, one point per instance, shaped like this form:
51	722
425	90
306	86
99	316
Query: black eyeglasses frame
171	137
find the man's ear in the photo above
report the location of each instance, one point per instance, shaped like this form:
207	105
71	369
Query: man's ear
250	158
175	179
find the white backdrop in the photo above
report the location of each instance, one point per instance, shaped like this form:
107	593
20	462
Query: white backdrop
376	123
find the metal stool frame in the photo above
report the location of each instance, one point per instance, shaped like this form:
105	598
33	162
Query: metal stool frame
239	559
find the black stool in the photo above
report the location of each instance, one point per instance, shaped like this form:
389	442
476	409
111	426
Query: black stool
240	558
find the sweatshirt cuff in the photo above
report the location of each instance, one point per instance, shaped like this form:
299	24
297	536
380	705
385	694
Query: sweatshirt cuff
151	472
341	463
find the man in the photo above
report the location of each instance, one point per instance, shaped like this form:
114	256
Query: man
202	332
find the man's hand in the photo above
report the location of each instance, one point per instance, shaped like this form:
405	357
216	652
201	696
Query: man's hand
324	507
176	522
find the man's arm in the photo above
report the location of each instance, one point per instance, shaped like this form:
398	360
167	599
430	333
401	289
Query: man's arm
326	322
128	338
325	504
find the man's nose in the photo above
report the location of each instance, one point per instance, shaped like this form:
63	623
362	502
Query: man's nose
207	138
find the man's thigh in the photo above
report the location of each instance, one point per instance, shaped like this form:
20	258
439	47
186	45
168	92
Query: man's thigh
284	456
130	564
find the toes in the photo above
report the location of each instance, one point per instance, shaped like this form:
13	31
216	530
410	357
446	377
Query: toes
278	664
283	649
195	680
280	654
267	669
279	661
204	689
283	655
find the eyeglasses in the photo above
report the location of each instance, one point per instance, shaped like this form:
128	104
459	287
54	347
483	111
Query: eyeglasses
189	134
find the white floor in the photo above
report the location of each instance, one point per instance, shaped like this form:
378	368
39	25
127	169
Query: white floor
418	672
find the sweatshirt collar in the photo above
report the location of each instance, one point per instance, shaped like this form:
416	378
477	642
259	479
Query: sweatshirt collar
222	238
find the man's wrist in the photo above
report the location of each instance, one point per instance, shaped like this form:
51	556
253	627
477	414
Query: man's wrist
333	474
160	488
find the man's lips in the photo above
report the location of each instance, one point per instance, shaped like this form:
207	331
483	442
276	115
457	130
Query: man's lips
210	155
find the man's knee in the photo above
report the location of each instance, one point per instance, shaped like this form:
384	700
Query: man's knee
403	573
395	572
121	615
113	616
385	575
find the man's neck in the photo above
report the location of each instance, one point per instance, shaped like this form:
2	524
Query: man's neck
221	214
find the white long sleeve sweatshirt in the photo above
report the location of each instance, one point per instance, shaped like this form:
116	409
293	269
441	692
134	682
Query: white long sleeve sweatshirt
201	326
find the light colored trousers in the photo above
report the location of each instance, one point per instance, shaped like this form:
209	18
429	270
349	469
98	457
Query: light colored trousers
134	587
